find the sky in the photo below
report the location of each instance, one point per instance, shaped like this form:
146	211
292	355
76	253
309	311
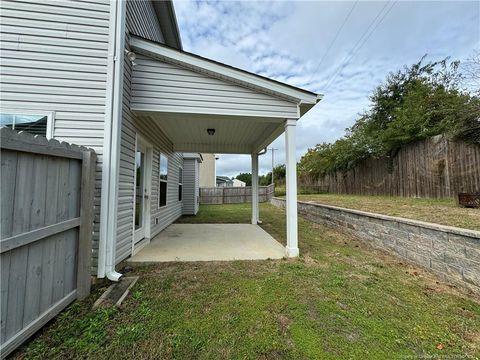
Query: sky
341	49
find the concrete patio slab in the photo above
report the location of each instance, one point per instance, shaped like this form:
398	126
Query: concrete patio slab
210	242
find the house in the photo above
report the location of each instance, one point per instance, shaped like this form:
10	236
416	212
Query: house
223	181
112	76
208	170
239	183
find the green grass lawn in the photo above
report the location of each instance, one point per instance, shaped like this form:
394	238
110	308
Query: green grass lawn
339	300
440	211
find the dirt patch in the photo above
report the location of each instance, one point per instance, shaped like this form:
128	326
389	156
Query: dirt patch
309	261
283	324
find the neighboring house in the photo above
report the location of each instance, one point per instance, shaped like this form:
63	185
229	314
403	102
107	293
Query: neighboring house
112	76
239	183
224	181
208	170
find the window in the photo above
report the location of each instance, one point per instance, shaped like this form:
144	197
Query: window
163	180
180	183
33	122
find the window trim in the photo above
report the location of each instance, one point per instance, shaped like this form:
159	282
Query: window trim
49	114
180	183
160	180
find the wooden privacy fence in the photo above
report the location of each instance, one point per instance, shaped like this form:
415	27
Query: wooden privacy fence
46	231
432	168
234	195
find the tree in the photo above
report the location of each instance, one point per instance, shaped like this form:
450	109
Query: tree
264	180
412	104
471	71
246	178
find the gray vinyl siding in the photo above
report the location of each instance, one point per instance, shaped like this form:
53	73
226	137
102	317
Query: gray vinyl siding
190	186
54	58
131	125
142	20
197	186
160	86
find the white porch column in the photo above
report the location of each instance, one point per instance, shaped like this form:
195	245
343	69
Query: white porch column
291	188
255	210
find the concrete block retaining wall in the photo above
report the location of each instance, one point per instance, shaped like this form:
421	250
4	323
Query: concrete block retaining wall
452	253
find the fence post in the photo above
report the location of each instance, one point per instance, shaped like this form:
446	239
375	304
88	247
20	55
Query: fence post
86	225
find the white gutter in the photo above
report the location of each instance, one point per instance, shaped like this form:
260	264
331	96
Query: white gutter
111	144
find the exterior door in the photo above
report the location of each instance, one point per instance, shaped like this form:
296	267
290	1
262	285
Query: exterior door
141	191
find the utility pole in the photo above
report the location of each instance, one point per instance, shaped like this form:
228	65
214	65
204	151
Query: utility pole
273	157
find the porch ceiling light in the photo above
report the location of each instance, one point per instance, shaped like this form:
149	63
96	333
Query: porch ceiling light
211	131
131	56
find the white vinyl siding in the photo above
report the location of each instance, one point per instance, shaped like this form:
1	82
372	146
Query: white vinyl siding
197	187
131	125
54	58
190	186
142	20
160	86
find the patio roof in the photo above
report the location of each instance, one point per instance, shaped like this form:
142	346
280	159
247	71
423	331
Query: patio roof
186	94
206	106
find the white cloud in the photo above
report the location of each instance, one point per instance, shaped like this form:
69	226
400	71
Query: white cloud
285	40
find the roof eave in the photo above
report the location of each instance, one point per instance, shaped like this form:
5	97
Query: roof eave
196	156
168	23
305	107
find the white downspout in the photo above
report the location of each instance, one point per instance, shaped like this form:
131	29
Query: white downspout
111	146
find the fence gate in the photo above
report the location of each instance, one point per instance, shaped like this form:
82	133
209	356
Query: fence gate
46	231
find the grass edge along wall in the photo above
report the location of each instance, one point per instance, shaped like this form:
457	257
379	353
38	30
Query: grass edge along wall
451	253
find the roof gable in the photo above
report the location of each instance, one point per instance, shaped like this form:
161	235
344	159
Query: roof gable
225	72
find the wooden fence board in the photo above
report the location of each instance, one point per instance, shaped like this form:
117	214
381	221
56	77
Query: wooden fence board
32	292
37	234
37	214
8	175
70	256
46	293
86	227
16	291
59	267
42	195
234	195
4	282
432	168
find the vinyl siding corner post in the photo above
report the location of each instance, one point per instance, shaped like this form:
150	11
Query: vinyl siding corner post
111	145
255	208
86	226
291	184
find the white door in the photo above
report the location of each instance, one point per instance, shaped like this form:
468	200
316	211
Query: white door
141	191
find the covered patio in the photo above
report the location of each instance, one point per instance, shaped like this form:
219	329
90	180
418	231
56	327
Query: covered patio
210	242
205	106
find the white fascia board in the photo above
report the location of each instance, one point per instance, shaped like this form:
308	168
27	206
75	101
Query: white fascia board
212	148
192	156
150	48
